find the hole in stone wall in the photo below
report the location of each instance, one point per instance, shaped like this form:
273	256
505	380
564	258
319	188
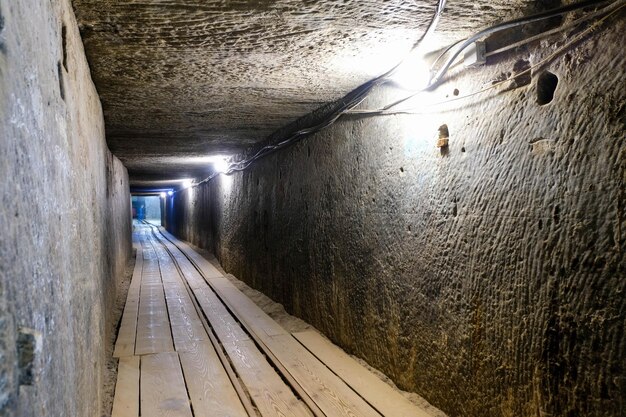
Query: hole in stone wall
444	135
575	263
442	140
29	344
546	85
557	214
61	86
64	45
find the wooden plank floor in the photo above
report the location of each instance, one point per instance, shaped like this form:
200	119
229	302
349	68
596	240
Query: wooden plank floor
191	344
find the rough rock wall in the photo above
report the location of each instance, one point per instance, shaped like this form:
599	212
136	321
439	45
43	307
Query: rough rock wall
488	276
64	216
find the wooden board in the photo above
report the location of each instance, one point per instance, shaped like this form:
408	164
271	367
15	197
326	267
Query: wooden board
126	400
380	395
246	309
225	326
193	277
329	392
125	344
207	268
153	327
333	396
186	327
211	391
267	390
163	392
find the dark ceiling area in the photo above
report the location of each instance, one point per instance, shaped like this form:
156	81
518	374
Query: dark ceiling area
184	80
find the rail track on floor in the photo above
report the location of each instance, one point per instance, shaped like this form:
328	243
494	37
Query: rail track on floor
190	343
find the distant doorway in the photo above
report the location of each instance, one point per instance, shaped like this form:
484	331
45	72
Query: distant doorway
147	207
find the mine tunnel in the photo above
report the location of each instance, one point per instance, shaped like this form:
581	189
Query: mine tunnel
363	208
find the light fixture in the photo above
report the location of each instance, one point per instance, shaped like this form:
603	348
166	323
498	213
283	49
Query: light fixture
170	193
221	166
162	195
187	183
413	73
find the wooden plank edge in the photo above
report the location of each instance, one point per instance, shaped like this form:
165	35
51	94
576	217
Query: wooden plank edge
404	407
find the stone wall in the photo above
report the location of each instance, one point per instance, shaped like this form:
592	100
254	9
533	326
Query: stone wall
64	216
487	276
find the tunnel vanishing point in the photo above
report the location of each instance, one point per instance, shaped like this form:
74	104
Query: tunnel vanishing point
312	208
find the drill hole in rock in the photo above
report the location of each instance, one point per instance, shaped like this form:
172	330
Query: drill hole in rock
546	86
61	85
64	45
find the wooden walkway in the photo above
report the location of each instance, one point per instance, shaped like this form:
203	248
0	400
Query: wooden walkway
191	344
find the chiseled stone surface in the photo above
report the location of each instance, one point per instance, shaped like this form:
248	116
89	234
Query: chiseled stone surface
182	79
64	215
489	278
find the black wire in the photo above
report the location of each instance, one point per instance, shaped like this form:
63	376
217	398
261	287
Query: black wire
358	95
606	11
431	26
361	92
507	25
436	79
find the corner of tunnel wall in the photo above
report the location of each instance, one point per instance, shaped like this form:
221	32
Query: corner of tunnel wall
65	214
487	275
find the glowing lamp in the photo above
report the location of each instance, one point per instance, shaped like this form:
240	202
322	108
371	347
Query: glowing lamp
221	166
413	74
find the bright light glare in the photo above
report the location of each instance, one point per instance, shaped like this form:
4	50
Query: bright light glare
162	195
187	183
413	74
221	165
170	193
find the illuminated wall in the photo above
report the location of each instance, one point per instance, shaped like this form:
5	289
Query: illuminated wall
486	275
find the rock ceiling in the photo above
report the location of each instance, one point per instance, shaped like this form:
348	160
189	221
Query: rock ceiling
183	79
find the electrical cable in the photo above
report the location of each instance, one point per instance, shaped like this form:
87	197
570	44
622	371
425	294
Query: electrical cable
436	79
508	25
548	33
358	95
614	9
361	94
473	38
434	21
